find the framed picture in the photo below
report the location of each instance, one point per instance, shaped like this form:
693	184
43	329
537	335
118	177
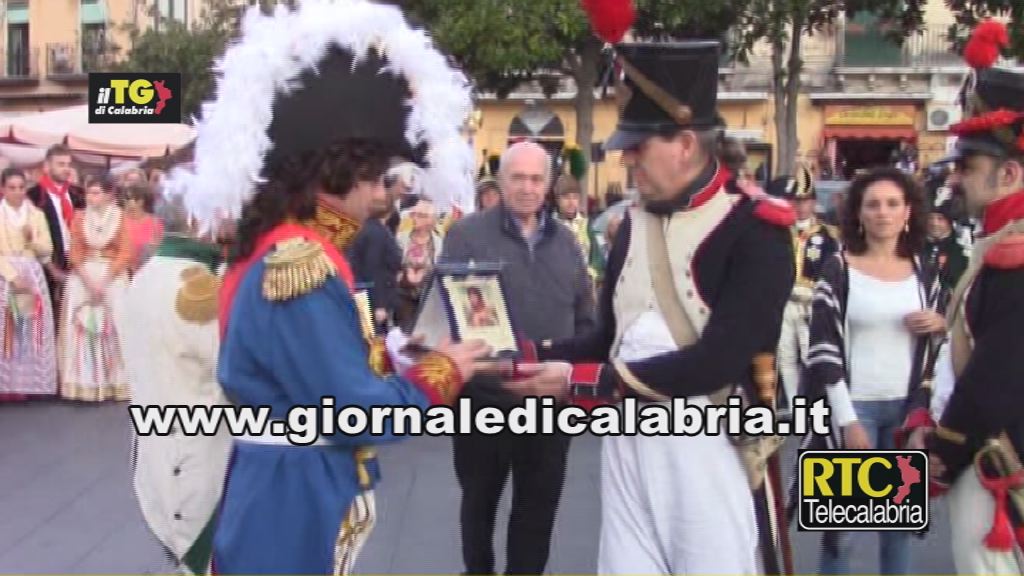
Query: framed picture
467	303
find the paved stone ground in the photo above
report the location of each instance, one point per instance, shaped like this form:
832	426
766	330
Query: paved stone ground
66	504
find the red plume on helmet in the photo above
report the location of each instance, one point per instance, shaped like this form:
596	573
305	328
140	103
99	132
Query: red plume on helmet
610	19
982	50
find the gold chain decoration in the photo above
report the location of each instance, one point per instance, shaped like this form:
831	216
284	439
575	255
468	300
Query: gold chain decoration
296	268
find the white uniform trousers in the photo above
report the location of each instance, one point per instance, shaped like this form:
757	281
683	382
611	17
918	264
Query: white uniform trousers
793	342
675	505
971	508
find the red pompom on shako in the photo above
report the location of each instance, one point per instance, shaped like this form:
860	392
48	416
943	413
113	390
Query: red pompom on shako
610	19
987	40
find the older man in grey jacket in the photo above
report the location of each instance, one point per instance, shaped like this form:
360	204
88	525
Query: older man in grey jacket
549	297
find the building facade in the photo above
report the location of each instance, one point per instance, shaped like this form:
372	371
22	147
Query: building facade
48	47
865	101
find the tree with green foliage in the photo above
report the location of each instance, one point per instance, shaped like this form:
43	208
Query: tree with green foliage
501	43
784	25
174	46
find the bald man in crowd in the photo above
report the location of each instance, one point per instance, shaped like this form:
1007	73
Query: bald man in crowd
549	297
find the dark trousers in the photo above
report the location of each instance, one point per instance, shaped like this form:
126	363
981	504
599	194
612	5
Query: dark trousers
482	464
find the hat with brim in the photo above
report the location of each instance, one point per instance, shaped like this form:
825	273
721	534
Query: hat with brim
663	88
982	144
624	139
627	138
993	119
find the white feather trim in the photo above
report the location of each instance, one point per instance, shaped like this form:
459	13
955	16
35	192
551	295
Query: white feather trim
232	142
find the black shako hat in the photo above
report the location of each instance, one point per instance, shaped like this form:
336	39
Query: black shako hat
992	98
994	119
664	87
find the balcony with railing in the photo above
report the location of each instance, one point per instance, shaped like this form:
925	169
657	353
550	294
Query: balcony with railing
68	62
20	67
865	45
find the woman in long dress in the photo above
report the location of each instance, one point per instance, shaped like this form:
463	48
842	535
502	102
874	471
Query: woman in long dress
92	368
28	363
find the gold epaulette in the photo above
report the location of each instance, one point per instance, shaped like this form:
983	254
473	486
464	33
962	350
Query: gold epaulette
196	301
295	268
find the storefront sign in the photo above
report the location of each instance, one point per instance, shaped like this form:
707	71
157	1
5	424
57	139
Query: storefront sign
870	115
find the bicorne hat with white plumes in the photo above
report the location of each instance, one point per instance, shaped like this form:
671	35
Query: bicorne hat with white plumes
299	80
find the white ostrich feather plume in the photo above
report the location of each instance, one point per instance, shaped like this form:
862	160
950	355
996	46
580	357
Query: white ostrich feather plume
232	142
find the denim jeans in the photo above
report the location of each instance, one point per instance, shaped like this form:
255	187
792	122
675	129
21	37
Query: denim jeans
880	420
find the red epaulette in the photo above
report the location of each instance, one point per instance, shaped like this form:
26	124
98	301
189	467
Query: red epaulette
1008	254
769	208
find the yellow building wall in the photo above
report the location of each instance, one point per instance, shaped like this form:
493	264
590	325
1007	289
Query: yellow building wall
120	12
497	115
55	21
810	123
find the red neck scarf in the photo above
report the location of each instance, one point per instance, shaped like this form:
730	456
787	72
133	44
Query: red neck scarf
286	231
1002	212
60	190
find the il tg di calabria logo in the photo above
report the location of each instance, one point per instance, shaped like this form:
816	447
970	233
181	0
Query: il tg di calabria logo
134	98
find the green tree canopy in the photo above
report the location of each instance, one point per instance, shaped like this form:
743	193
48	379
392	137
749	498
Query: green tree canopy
176	47
969	12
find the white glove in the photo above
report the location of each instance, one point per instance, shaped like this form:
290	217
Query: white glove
944	382
394	342
803	294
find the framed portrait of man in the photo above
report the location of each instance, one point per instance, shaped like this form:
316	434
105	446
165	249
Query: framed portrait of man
467	304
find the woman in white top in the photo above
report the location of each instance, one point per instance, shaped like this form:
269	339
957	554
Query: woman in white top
28	365
876	318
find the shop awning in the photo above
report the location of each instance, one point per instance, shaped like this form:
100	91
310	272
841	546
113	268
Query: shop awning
870	133
71	126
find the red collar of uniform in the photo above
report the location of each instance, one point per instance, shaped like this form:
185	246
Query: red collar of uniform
701	197
285	231
711	180
1002	212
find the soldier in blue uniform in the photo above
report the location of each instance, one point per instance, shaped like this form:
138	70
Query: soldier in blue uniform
291	329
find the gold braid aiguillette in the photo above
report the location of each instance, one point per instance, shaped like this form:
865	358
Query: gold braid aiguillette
296	268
